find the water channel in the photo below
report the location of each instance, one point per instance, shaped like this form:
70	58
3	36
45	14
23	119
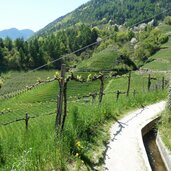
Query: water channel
153	153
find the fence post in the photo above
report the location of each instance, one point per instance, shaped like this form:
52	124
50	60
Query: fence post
149	82
65	106
156	87
163	83
93	95
129	84
134	92
26	120
60	97
101	88
117	95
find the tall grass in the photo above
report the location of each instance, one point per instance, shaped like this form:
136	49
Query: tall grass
165	124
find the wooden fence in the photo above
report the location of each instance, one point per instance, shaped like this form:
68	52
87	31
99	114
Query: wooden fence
62	99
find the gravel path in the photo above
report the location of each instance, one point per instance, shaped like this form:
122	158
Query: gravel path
126	151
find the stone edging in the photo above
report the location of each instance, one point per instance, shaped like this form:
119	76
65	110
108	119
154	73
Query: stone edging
165	153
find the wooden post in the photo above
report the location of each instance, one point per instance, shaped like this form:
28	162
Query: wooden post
163	83
93	95
156	87
101	89
149	82
65	106
26	120
60	97
129	84
134	92
117	95
143	89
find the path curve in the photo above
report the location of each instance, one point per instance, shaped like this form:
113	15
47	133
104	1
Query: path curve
125	151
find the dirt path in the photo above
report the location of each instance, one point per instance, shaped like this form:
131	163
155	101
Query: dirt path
126	150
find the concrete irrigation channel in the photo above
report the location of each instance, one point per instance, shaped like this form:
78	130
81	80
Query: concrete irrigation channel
126	150
153	153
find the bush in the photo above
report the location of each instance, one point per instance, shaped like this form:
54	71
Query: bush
122	37
163	38
1	83
167	20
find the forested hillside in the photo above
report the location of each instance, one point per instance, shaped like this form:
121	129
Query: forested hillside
97	12
94	22
24	55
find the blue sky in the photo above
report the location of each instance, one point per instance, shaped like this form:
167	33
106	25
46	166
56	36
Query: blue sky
34	14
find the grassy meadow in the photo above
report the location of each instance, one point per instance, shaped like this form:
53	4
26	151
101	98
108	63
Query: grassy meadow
103	60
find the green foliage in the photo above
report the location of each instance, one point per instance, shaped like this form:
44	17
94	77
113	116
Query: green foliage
103	60
23	55
167	20
149	43
100	12
163	38
161	60
165	124
1	83
122	37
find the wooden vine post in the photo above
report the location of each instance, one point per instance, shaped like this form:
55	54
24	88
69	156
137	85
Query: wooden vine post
134	92
163	83
129	84
26	120
65	105
101	78
117	95
149	82
93	95
60	96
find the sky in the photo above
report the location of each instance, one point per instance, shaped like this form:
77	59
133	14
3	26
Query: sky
34	14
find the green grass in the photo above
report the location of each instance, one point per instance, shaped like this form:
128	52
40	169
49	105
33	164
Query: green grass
85	128
14	81
165	128
165	28
103	60
161	60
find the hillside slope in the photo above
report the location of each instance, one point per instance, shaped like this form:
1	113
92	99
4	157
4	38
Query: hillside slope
96	12
103	60
161	60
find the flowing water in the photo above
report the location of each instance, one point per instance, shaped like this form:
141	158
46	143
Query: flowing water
153	153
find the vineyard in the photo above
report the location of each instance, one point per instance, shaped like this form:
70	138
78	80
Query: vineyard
61	90
28	138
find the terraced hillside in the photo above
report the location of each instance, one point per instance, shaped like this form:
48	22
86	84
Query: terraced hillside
161	60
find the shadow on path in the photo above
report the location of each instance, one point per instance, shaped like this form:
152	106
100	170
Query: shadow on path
121	125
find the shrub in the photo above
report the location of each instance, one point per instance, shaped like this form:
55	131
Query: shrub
167	20
1	83
163	38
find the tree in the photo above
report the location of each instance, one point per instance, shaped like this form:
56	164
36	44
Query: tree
8	43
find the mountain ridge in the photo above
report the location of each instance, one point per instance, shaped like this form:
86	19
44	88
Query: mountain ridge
15	33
